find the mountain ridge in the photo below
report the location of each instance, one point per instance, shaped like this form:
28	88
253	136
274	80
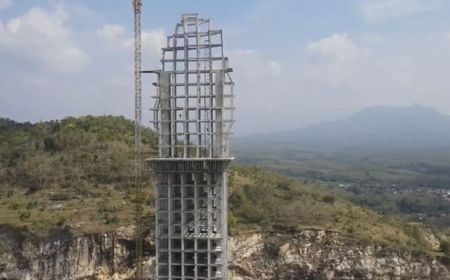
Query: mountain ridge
378	127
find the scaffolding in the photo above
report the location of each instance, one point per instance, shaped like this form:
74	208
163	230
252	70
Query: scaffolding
193	115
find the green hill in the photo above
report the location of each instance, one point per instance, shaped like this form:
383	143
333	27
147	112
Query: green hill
75	175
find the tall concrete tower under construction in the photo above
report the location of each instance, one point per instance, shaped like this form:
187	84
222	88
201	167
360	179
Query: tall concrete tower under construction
193	114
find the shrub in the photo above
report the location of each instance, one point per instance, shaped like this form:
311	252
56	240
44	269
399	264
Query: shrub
61	222
14	206
272	248
24	215
32	204
50	144
445	247
110	219
328	199
232	220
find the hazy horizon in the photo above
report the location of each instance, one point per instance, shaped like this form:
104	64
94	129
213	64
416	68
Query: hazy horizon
296	63
418	108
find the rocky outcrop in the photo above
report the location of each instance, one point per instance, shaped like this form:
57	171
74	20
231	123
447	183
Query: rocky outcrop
307	255
324	255
95	256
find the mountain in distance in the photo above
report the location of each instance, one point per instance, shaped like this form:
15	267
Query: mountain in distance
379	128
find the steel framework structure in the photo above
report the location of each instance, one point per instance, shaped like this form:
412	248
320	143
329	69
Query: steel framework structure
193	115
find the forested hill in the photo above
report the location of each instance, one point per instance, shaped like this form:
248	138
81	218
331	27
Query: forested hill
73	152
49	167
74	176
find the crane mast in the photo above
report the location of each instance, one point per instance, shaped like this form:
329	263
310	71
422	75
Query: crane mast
137	5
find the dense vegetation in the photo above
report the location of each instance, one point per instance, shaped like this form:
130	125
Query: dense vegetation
75	174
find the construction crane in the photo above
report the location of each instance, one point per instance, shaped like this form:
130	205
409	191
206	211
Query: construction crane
137	6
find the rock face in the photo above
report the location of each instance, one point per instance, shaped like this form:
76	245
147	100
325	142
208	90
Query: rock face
96	256
323	255
306	255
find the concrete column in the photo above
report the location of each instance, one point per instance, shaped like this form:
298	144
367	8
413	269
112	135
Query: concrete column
164	90
218	137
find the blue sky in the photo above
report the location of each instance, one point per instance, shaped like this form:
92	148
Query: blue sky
296	62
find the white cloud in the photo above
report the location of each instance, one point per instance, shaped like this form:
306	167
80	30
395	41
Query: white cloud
377	11
111	32
115	37
337	46
274	68
43	37
325	79
398	72
254	65
5	4
334	76
40	47
339	63
152	41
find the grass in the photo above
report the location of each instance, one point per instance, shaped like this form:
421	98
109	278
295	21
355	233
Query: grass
103	209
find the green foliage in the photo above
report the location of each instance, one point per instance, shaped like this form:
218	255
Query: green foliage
50	144
328	199
69	152
445	246
264	202
61	170
232	220
272	201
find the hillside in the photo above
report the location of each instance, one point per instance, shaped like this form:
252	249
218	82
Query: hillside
73	176
73	173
